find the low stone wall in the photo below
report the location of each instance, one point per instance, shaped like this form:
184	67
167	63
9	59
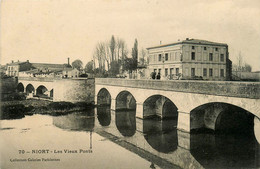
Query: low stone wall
74	90
227	88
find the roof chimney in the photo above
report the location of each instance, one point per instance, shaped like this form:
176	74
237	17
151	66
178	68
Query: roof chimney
28	61
187	38
12	61
68	61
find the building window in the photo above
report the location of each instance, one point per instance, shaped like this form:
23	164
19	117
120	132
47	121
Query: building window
160	57
216	49
193	47
166	56
211	72
205	48
177	71
221	72
192	55
166	72
192	72
210	56
222	57
171	71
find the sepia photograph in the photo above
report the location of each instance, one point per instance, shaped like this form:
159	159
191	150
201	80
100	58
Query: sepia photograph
130	84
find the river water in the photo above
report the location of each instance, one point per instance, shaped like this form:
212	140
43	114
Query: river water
101	138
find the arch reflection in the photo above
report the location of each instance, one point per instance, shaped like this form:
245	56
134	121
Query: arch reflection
126	122
104	115
161	134
79	121
225	151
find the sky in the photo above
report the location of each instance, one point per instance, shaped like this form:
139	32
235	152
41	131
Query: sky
50	31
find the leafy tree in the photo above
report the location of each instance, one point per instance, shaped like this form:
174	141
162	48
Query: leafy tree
129	64
77	64
89	67
115	67
247	68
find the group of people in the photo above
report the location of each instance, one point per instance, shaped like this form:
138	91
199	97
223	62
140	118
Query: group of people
155	76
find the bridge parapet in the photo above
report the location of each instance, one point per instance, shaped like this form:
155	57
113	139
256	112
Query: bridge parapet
228	88
40	79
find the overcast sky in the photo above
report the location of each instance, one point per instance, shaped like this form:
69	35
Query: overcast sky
50	31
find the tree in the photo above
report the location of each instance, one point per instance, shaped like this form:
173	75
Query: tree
241	65
89	67
112	46
247	68
107	52
135	54
115	66
143	57
77	64
129	64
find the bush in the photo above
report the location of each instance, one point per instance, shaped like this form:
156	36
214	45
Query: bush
84	104
13	111
13	96
83	75
61	105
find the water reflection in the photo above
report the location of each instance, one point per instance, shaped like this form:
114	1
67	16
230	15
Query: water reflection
126	122
161	134
225	151
104	115
80	121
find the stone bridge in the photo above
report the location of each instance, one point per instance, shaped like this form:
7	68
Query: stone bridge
194	104
72	90
36	86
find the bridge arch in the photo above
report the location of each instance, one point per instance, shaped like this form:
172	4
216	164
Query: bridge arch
30	89
20	87
159	105
125	100
42	91
224	118
103	97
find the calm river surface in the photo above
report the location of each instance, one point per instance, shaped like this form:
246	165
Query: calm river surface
101	138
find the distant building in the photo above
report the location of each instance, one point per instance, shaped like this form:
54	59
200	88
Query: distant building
27	69
70	72
191	59
14	68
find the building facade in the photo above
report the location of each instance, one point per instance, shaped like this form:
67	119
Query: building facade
70	72
14	68
191	59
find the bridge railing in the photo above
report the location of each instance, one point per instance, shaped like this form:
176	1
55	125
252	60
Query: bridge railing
221	88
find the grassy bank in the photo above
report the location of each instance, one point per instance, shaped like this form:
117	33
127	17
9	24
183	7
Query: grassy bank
19	108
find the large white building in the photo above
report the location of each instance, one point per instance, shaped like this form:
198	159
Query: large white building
191	59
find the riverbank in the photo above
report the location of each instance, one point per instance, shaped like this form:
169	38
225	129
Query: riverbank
16	109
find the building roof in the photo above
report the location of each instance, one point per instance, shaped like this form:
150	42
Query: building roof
191	41
16	63
48	65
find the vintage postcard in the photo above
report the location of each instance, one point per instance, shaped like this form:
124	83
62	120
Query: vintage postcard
130	84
